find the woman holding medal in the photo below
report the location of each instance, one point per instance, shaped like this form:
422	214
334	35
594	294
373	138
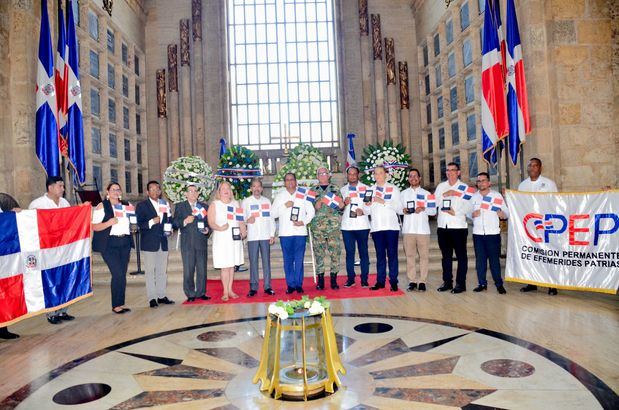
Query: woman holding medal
385	227
112	238
225	218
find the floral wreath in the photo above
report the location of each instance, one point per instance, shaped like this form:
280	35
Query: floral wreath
303	161
393	157
313	307
239	165
187	171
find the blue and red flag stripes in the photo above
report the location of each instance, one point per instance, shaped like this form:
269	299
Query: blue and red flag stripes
46	125
61	78
517	99
351	159
494	120
44	260
75	125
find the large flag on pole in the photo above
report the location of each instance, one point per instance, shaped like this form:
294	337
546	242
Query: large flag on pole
496	16
46	125
351	160
61	76
517	100
75	125
494	122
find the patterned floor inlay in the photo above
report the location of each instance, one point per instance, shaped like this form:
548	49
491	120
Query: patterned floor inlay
405	363
507	368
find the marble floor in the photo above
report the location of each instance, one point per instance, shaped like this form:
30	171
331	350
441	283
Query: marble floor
420	350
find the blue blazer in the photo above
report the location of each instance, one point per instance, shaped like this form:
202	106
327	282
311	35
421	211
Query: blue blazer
151	238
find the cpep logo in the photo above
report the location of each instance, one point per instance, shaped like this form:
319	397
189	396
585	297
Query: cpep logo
539	227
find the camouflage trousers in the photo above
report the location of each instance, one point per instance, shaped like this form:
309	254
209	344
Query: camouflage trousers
327	243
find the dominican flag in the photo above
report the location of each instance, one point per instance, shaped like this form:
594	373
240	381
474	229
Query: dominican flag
492	203
75	125
164	207
517	100
199	211
426	201
235	214
265	210
222	147
331	200
465	192
44	260
384	192
254	210
46	125
61	78
124	211
494	122
305	194
350	156
496	15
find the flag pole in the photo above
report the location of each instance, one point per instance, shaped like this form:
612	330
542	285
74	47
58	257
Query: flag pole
309	231
507	173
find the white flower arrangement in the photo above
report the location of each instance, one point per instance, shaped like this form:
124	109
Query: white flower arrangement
187	171
283	310
304	160
393	157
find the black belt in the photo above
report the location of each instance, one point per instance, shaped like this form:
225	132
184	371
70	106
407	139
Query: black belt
119	236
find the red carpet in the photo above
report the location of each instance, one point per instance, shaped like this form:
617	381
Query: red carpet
241	287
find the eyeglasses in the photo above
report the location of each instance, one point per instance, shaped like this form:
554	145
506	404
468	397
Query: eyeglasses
115	189
323	173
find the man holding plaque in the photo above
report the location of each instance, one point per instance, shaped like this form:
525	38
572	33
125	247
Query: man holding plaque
454	204
190	219
295	211
418	204
488	206
355	227
326	228
155	224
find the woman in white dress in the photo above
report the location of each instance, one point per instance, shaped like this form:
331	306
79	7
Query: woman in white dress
227	236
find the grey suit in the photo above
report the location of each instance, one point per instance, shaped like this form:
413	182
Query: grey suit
194	247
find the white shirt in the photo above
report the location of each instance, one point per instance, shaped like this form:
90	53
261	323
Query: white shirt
487	223
360	222
541	184
385	216
119	229
45	202
264	227
460	206
155	205
306	213
416	223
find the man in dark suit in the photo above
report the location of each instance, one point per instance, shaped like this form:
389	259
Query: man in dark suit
155	224
190	219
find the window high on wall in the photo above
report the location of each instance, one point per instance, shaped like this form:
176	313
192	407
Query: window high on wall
283	79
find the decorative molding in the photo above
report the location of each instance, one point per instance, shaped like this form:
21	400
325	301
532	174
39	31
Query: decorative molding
403	75
377	44
184	32
162	111
390	60
364	26
172	67
108	5
196	19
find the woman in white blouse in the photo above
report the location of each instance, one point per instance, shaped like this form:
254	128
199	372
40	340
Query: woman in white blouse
227	236
112	238
385	228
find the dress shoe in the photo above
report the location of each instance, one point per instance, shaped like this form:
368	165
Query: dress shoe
204	297
120	311
299	290
458	289
5	334
378	286
290	290
349	284
422	287
501	290
66	317
445	287
54	320
411	287
528	288
240	268
480	288
153	303
393	287
165	301
552	291
191	299
251	293
269	291
365	284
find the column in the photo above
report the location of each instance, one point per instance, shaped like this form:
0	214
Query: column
185	93
199	146
163	121
366	73
404	103
172	99
377	47
391	90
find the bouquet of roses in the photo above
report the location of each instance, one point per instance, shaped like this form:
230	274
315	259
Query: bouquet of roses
393	157
239	165
187	171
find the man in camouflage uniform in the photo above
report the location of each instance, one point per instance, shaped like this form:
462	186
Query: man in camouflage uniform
326	229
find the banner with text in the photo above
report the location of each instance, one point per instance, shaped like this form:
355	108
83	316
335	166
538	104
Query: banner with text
564	240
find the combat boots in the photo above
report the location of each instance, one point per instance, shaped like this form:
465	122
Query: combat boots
320	285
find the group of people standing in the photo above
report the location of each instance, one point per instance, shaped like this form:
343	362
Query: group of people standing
327	214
